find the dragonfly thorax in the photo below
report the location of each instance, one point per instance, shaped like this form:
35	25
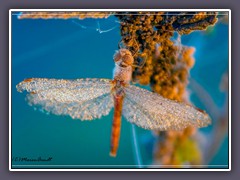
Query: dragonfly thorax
122	73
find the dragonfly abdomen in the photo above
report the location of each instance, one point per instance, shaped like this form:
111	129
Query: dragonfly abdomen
116	124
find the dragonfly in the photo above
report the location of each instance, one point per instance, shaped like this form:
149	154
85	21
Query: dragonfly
93	98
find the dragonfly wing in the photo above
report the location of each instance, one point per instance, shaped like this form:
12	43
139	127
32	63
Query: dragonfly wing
84	99
151	111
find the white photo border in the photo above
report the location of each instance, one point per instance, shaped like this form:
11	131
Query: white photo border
117	169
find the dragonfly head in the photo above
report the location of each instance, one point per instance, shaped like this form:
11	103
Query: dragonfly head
123	58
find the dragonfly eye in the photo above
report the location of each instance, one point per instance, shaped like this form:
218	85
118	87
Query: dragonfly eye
128	59
117	56
125	56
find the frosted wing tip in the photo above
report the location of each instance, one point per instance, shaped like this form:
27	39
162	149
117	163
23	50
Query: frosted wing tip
19	87
24	85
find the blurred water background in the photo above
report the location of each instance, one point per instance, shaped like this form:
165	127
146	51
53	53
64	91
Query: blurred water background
58	48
